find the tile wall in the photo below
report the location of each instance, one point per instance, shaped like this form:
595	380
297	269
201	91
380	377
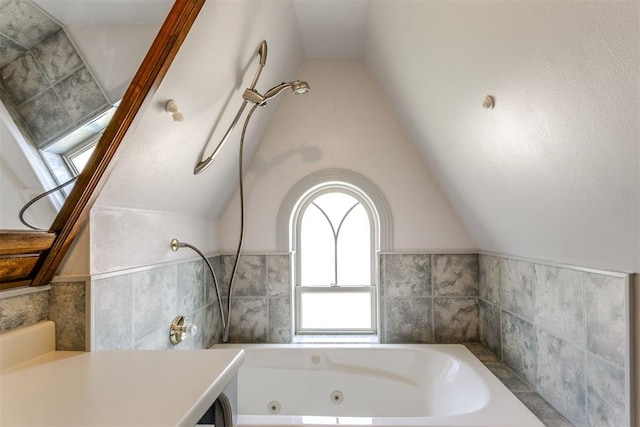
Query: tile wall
563	331
64	303
135	310
429	298
44	82
541	408
67	308
424	298
261	298
23	310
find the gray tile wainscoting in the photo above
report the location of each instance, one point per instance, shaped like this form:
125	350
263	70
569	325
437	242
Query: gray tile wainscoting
519	346
62	302
23	310
261	297
405	275
407	319
562	330
135	310
260	304
67	308
424	298
560	376
523	391
516	288
429	298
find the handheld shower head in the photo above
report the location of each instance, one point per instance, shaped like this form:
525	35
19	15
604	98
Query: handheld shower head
298	87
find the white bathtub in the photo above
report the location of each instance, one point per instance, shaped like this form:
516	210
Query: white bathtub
378	384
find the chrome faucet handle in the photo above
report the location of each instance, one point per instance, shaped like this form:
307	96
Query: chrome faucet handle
181	328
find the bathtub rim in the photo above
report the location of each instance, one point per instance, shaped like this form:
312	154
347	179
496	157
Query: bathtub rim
500	394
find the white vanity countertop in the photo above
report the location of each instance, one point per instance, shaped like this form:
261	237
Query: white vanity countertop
116	388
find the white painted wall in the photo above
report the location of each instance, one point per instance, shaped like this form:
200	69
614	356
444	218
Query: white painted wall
215	64
344	122
119	239
128	238
152	195
77	262
18	182
112	37
113	52
553	172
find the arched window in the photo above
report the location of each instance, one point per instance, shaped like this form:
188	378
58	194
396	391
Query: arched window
336	231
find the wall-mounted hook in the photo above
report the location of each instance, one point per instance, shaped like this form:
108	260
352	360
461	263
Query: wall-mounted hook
172	108
489	102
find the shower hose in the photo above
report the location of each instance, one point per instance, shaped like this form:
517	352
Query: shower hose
38	197
225	316
225	335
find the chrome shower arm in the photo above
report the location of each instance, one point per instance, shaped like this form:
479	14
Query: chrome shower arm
203	164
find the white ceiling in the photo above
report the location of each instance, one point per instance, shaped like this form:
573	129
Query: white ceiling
331	28
553	172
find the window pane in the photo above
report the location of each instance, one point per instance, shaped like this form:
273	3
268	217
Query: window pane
354	249
335	205
317	261
80	160
335	310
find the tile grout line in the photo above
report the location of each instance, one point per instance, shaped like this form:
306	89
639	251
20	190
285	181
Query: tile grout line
432	279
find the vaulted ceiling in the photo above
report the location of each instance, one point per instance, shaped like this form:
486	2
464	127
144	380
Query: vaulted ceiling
552	172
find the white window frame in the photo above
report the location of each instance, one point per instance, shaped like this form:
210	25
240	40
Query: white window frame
372	288
300	290
75	151
74	143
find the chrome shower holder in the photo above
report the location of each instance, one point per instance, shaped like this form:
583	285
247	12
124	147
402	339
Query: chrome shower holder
298	87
